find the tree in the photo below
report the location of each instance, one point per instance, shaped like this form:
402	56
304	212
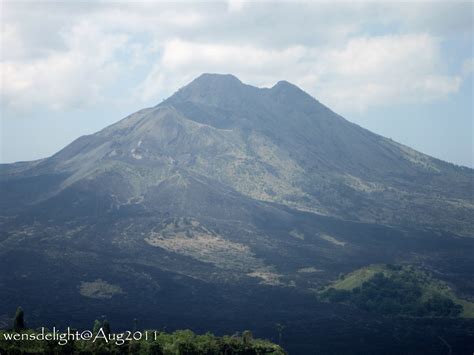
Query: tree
96	327
247	337
19	321
106	327
280	327
155	348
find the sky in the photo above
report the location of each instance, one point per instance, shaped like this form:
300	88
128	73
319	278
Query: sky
401	69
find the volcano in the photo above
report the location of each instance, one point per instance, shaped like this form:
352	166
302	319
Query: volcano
223	208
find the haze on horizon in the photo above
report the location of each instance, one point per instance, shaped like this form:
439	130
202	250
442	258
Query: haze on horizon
403	70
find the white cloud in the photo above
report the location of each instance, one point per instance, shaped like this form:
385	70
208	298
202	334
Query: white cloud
11	44
364	72
74	77
235	5
468	67
83	51
392	69
182	61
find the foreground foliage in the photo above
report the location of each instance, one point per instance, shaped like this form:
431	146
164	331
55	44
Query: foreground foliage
181	342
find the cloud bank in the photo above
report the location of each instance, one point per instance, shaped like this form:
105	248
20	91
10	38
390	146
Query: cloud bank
350	57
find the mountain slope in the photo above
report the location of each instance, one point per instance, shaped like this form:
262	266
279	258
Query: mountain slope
277	145
222	200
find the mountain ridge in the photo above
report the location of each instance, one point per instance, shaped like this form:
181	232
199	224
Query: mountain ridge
278	145
228	202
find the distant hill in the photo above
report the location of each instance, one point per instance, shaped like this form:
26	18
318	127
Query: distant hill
397	291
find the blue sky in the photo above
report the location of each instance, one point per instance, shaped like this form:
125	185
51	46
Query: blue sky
403	70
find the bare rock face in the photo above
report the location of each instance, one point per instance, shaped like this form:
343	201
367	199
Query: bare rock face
221	188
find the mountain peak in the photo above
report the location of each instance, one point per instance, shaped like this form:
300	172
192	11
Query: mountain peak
284	86
209	78
290	94
210	88
227	89
212	81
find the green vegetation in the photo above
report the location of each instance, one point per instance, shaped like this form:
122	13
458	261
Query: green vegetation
181	342
397	291
18	321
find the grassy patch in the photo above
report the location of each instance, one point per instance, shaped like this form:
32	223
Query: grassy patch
356	278
397	290
99	289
